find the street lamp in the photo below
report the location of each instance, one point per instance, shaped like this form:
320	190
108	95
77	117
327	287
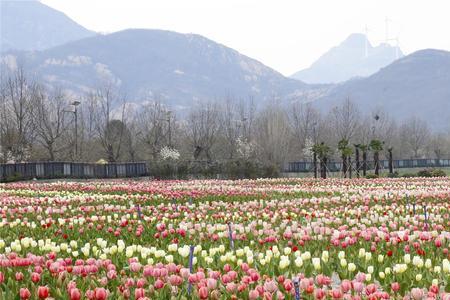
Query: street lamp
314	149
376	118
169	129
75	112
169	113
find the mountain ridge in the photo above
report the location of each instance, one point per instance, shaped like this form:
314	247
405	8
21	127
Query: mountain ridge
415	85
32	25
147	62
353	57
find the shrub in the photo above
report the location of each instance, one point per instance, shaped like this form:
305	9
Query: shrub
409	175
438	173
371	176
431	173
393	175
270	171
424	173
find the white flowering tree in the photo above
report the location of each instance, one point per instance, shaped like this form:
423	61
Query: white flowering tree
308	149
169	154
245	149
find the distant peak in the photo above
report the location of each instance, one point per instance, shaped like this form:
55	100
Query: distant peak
355	40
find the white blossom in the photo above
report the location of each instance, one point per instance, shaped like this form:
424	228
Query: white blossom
169	153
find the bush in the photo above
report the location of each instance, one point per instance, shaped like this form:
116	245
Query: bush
438	173
371	176
431	173
409	175
270	171
425	173
14	177
393	175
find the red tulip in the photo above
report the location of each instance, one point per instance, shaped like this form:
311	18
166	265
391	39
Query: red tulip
203	293
35	277
43	292
75	294
100	294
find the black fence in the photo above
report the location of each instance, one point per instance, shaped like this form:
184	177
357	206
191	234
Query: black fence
302	167
50	170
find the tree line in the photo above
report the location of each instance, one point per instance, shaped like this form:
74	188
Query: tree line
39	123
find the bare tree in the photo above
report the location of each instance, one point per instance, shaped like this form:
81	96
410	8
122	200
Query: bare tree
272	135
439	144
49	121
201	129
17	130
237	118
304	122
344	120
153	127
109	115
414	133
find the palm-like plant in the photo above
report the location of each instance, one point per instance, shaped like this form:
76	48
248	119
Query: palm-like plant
323	152
376	146
346	152
364	149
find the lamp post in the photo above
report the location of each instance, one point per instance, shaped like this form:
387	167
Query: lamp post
75	112
314	150
169	113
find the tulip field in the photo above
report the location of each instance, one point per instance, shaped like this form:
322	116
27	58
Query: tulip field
218	239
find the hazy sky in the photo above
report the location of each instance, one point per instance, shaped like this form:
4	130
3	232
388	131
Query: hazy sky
287	35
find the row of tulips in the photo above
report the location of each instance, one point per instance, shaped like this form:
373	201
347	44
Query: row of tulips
215	239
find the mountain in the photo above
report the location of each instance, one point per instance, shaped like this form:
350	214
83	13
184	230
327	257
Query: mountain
180	68
31	25
349	60
417	84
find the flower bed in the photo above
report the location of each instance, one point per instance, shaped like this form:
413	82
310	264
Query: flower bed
211	239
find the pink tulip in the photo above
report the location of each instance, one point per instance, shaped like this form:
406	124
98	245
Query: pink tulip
139	293
358	286
270	286
288	285
159	284
417	294
175	280
211	284
319	294
253	295
231	287
135	267
24	293
336	294
395	286
19	276
370	289
346	285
